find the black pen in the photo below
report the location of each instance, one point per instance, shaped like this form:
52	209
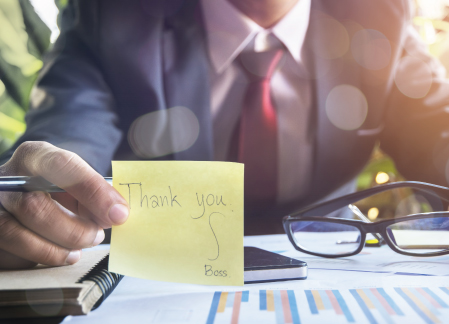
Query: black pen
24	184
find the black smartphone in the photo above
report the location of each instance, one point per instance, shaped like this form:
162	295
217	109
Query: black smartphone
265	266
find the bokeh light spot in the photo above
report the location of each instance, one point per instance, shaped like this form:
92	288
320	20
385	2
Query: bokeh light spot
382	177
334	40
346	107
413	77
373	213
371	49
163	132
34	296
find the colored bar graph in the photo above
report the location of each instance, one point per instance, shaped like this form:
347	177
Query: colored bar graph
363	306
325	299
263	300
320	300
230	299
343	306
236	308
311	302
283	304
390	301
293	307
223	300
213	308
376	299
334	302
270	301
279	311
286	307
445	290
438	300
222	303
423	307
378	305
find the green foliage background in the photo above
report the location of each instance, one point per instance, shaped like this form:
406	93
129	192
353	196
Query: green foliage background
24	38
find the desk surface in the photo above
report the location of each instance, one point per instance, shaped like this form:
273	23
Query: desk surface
377	286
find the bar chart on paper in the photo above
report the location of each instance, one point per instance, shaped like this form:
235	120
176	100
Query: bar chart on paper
365	305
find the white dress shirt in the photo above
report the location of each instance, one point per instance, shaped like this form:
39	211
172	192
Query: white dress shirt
229	32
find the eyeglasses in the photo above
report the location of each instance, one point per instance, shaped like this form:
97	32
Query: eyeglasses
411	217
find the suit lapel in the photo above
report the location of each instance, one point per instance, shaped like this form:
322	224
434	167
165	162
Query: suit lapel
332	145
186	74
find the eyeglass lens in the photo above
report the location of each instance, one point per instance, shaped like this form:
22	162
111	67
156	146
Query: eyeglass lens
326	238
421	236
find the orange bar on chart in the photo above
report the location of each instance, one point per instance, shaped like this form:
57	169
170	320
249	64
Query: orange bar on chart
286	307
236	307
222	303
270	301
334	302
318	301
365	298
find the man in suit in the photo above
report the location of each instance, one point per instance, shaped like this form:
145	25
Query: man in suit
182	79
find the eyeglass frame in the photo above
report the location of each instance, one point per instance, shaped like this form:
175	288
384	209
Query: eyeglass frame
365	227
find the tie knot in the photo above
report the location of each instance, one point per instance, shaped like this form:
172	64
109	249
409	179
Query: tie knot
261	65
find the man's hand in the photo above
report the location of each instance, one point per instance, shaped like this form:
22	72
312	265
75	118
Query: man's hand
36	227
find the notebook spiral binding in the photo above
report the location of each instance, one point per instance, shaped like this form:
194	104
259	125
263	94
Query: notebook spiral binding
107	281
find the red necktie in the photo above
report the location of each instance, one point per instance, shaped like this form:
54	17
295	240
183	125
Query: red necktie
258	148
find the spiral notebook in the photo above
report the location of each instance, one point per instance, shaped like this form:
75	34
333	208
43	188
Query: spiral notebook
57	291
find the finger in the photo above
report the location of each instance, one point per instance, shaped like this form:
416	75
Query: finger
66	200
20	241
42	215
68	171
11	261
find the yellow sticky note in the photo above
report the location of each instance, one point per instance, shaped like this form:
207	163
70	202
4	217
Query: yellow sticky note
185	223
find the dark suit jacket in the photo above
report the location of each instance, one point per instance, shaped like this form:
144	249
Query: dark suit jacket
119	59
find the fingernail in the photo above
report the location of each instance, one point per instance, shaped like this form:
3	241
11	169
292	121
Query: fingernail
118	214
99	238
73	257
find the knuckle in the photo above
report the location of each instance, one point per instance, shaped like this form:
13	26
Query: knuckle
51	255
34	203
79	237
24	157
27	148
8	227
58	160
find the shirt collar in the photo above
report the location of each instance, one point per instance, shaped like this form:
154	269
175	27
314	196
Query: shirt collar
229	31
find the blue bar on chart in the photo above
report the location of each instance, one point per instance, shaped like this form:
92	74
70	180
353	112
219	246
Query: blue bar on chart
445	290
319	300
282	302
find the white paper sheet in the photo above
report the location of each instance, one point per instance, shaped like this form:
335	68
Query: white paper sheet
419	298
372	259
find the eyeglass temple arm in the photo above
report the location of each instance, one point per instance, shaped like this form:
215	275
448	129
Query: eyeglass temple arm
327	207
